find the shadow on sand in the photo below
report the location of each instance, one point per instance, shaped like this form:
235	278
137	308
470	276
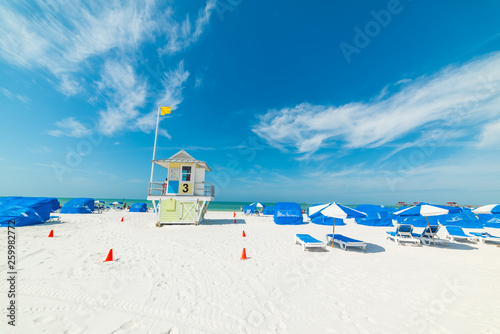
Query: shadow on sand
466	245
373	248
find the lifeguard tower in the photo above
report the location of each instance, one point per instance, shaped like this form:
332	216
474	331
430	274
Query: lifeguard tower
183	198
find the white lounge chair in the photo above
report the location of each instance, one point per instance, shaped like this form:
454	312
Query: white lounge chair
54	218
430	237
457	233
402	234
485	236
309	242
345	242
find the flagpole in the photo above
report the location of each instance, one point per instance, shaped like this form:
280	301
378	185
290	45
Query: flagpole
154	148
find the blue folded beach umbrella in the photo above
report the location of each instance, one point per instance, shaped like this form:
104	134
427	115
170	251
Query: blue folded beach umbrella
487	209
427	210
336	210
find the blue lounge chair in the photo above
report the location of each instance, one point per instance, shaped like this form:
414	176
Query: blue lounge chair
457	233
307	241
345	242
485	236
429	236
402	234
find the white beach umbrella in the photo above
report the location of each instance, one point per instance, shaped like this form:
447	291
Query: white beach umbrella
315	208
487	209
336	210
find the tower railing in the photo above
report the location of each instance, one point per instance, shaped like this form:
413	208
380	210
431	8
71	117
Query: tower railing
158	189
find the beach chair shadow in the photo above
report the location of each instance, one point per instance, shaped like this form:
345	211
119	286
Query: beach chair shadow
461	246
373	248
222	222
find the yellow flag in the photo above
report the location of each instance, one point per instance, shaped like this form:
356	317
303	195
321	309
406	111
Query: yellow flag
165	110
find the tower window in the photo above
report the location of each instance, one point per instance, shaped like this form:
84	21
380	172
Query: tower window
186	173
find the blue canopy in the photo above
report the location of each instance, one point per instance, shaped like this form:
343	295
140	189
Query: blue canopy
465	219
483	218
138	207
323	220
22	215
248	210
288	213
79	205
42	205
377	215
268	210
492	223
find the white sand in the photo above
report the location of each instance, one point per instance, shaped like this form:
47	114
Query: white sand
190	279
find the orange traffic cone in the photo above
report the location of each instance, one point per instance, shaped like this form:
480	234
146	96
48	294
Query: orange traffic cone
235	220
110	256
122	218
51	234
244	235
244	255
234	213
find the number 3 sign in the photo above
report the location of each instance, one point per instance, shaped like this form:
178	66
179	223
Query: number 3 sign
185	188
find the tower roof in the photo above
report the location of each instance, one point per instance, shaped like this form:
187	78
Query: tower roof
181	157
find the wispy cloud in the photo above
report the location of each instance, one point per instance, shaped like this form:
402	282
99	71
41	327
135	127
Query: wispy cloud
60	35
181	35
173	84
69	127
458	97
490	136
69	86
74	40
127	93
11	95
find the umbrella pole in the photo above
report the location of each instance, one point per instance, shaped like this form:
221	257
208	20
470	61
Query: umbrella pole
432	234
333	231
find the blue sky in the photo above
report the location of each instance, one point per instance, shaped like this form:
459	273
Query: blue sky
355	102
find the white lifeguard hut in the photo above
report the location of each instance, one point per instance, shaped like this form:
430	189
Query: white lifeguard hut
184	196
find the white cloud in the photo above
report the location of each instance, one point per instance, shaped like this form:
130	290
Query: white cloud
69	127
173	84
490	136
62	35
71	40
69	86
459	97
127	93
181	35
11	95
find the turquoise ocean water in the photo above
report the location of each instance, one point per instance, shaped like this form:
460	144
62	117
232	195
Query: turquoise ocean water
214	206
